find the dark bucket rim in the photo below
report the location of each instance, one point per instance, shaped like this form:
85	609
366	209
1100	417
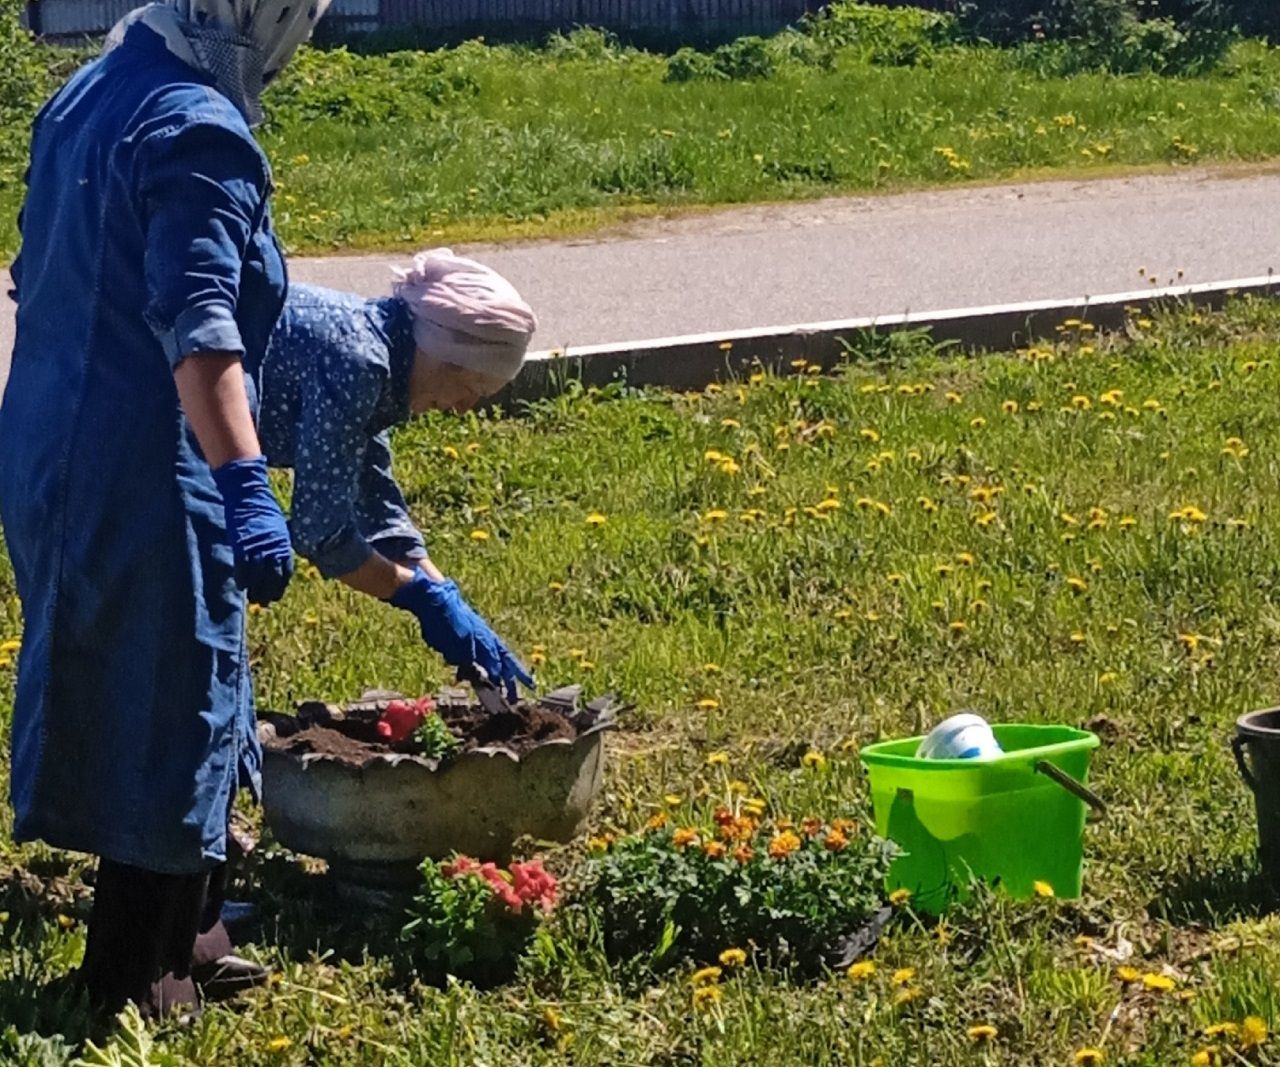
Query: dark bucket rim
1248	729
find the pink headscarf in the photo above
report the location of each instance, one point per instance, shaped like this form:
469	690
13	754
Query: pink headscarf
466	313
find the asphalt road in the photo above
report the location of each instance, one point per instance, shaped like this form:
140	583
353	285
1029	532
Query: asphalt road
840	258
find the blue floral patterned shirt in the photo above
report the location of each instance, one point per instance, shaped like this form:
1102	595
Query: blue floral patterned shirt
335	379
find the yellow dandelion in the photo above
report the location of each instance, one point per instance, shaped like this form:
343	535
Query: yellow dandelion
708	704
977	423
556	587
953	398
9	647
899	897
1159	983
903	976
986	518
279	1044
596	519
1090	1057
715	515
1009	407
958	626
1221	1030
672	800
451	452
906	996
982	1032
869	434
1127	975
479	535
814	760
1077	585
711	668
732	957
1253	1032
860	971
718	759
705	976
706	996
731	424
1042	889
1206	1057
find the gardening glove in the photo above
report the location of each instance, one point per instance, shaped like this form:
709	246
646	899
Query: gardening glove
256	528
451	626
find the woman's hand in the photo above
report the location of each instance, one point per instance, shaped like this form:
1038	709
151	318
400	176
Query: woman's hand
453	628
257	529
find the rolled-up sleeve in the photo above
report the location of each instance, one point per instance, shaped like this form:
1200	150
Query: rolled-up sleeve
203	189
382	512
333	441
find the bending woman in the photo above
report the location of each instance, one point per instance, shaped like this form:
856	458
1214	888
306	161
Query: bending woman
133	487
340	372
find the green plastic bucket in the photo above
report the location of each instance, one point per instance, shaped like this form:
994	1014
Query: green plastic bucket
999	820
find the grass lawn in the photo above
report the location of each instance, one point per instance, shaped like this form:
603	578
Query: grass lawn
486	142
1085	533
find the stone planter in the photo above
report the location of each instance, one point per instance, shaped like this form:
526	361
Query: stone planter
375	821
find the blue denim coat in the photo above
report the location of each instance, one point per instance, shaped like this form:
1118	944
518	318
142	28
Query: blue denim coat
146	236
336	379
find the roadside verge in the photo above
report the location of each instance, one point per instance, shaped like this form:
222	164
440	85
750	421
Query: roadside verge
695	360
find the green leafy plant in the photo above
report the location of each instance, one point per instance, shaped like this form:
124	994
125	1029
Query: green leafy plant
790	889
130	1045
474	920
434	738
745	59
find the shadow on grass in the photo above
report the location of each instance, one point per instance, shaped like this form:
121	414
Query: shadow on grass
1228	892
41	943
300	913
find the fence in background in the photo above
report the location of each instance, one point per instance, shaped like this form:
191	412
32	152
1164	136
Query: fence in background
70	18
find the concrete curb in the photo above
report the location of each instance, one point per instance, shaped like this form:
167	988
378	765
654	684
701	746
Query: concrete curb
694	360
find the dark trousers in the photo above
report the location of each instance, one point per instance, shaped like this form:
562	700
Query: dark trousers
147	931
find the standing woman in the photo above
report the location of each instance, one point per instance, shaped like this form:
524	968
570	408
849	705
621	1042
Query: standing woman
133	489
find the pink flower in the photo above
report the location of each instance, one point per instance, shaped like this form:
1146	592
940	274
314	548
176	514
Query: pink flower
499	882
534	884
460	865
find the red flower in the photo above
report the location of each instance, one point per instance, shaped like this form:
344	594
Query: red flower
402	717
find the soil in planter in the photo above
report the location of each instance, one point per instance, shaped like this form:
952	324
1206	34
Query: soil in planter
354	739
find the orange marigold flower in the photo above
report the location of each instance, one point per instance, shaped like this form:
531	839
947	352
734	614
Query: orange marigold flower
835	841
811	826
743	853
783	845
657	822
684	837
714	849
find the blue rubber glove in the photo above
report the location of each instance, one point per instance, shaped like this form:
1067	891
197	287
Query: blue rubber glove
451	626
256	528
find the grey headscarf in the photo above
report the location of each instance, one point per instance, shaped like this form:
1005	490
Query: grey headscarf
242	44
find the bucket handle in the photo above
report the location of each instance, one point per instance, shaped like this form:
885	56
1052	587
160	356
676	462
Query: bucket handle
1237	746
1077	789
